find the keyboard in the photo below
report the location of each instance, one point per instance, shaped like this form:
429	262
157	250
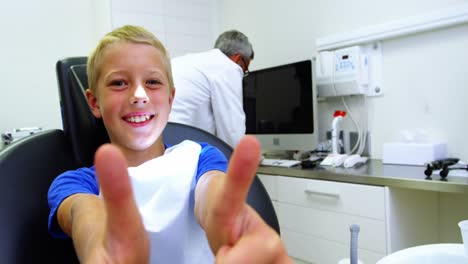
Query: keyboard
280	162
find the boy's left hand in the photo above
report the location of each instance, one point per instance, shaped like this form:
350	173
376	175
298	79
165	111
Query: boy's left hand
234	229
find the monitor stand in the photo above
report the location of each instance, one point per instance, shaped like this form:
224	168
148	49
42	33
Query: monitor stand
278	154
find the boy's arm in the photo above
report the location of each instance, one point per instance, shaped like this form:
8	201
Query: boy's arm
236	233
83	217
108	230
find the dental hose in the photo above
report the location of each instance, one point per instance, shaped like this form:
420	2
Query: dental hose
354	243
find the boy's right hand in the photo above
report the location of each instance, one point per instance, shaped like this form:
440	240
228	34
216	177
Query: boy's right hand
125	239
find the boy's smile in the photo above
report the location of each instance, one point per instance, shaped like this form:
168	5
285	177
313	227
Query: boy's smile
138	119
133	96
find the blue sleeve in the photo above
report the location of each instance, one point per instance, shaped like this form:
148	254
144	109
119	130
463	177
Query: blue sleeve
210	158
68	183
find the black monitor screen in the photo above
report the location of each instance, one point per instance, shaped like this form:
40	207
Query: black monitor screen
279	100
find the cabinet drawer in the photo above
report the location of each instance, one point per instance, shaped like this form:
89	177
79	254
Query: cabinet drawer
332	226
314	250
355	199
270	183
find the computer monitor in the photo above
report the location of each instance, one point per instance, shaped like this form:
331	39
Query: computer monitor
280	107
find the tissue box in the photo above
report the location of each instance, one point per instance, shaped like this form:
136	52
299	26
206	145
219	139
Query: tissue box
413	153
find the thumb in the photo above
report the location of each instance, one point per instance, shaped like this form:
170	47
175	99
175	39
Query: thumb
242	168
122	211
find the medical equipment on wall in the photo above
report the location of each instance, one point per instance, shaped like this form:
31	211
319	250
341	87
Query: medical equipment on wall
350	71
354	70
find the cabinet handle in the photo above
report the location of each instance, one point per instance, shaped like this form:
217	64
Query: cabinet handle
328	194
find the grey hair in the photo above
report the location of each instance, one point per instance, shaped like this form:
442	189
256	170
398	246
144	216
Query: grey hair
232	42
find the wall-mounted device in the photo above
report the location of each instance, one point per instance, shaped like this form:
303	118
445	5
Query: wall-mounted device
350	71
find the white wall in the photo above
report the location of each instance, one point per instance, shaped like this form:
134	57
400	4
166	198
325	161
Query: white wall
425	76
35	34
425	80
183	26
38	33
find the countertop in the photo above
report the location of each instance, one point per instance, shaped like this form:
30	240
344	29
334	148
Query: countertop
376	173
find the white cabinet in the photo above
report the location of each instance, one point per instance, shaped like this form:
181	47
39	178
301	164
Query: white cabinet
315	216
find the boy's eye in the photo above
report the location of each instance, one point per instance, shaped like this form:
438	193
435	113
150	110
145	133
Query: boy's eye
153	82
117	83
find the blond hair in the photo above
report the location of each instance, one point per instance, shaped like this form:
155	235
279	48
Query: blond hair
128	33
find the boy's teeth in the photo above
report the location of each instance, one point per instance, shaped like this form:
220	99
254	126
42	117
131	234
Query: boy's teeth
137	119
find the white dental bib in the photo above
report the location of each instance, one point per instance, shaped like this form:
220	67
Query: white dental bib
164	190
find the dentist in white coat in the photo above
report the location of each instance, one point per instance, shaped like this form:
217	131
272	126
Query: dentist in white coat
209	87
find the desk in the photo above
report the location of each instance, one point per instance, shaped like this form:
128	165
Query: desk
394	205
376	173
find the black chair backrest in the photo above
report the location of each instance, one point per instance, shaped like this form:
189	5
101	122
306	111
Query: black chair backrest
87	133
27	168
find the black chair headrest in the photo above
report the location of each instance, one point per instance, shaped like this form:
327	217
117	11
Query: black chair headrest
85	132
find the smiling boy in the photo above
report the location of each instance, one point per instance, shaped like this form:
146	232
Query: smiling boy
144	201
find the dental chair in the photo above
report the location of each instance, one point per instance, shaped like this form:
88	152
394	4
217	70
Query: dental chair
28	167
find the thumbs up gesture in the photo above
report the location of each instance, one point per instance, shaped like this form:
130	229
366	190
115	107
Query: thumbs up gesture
236	233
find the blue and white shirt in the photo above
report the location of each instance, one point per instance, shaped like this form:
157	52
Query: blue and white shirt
164	190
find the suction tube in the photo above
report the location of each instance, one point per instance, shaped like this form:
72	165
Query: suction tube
354	243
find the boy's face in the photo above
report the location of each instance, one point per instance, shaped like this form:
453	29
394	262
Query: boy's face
133	95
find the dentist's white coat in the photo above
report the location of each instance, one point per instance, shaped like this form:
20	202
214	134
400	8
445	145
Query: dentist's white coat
209	94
